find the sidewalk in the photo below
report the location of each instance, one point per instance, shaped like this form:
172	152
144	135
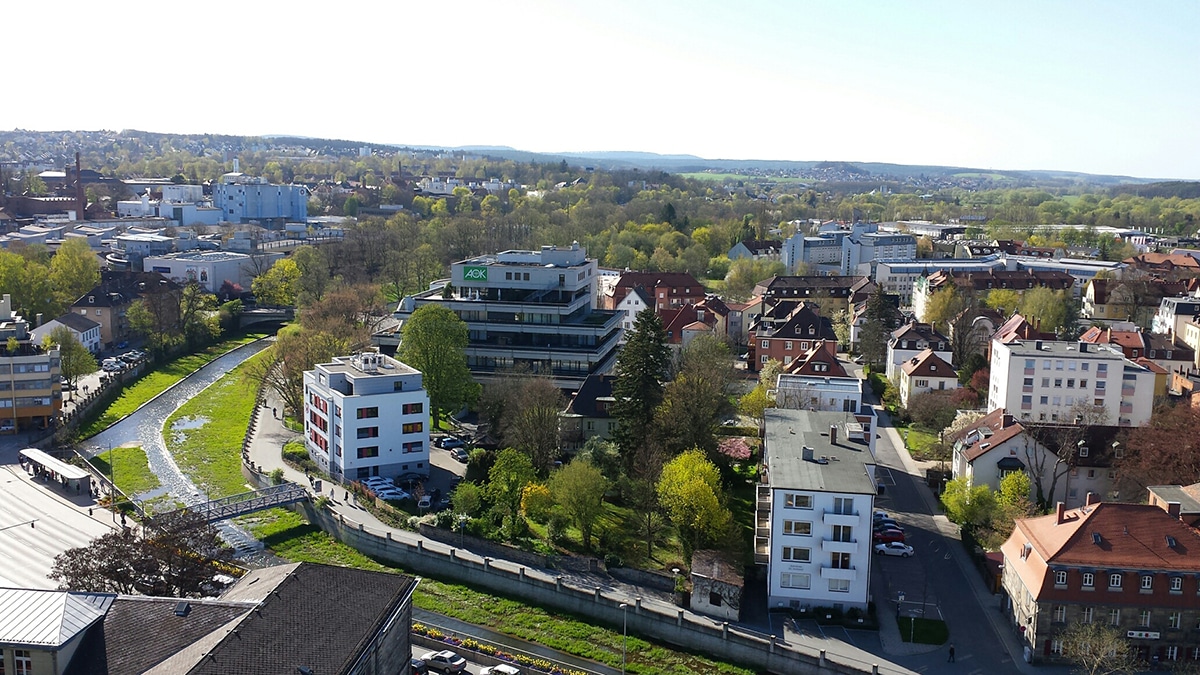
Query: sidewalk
265	452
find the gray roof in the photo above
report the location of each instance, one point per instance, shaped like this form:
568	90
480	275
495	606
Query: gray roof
47	619
788	432
77	322
1188	503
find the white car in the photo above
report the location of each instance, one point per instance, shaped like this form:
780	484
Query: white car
378	481
445	661
502	669
391	494
894	548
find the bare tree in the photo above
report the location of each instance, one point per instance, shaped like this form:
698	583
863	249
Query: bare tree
1051	450
1098	649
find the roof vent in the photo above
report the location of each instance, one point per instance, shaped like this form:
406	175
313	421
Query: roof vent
182	608
823	460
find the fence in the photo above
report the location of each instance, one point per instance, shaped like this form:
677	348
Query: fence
652	619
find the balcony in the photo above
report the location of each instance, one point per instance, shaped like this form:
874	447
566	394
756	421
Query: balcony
1126	408
1127	391
838	572
762	550
764	497
838	518
837	546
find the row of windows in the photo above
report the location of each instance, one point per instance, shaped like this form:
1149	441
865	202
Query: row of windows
1058	614
803	582
412	408
1058	383
1058	364
1116	581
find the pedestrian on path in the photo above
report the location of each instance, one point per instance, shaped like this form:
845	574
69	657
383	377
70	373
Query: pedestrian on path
951	659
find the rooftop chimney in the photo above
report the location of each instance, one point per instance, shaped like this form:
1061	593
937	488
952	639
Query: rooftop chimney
1037	345
1173	508
1060	512
806	453
1091	499
1083	346
833	434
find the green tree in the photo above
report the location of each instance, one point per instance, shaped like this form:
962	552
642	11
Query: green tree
755	403
76	360
433	341
967	505
882	317
314	279
278	285
689	490
282	369
697	398
467	498
1003	300
1050	310
506	485
579	488
942	307
638	389
74	270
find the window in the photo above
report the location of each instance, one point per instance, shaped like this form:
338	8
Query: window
1058	365
1058	382
1045	364
1144	618
1087	615
1100	385
1084	365
1056	647
1114	581
1044	400
843	505
797	527
764	358
843	533
1030	363
1147	582
795	580
413	408
368	432
1102	368
1114	617
412	427
1174	619
1070	383
1059	614
366	413
1028	382
1176	584
839	561
368	452
797	554
839	585
1172	653
766	344
1083	384
1060	578
787	345
413	446
795	501
23	661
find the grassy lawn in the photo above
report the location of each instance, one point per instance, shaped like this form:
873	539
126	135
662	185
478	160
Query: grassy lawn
157	381
290	537
130	468
210	452
621	523
926	631
919	441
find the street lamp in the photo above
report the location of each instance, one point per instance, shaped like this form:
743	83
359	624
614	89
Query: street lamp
462	524
624	633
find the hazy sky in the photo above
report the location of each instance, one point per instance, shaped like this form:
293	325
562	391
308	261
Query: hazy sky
1101	87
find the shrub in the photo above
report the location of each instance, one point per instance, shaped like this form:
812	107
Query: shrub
536	502
613	560
277	476
556	526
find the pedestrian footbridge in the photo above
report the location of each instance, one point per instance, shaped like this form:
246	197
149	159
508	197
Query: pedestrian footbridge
248	502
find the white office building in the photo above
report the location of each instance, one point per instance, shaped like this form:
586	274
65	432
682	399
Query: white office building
846	252
814	511
366	415
1054	381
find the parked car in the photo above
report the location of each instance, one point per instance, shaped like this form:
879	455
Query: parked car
888	536
894	548
460	455
417	667
6	427
448	442
444	661
392	494
378	480
502	669
877	514
424	502
881	523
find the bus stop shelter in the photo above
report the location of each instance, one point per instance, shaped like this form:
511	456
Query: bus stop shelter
41	464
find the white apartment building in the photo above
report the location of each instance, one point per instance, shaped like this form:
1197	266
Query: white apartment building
366	415
811	392
899	276
210	269
814	511
1051	381
911	339
1173	314
847	251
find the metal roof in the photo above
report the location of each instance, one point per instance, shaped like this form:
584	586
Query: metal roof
48	618
56	465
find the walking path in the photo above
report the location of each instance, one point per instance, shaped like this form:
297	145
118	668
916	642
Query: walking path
265	448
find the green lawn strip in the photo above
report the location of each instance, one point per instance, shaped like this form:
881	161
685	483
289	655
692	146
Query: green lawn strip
291	538
156	382
211	454
925	631
129	467
918	441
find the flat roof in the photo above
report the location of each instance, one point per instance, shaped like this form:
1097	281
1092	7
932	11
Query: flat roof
1063	348
842	384
834	468
201	256
56	465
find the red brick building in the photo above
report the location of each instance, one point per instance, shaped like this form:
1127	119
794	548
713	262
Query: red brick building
666	290
785	333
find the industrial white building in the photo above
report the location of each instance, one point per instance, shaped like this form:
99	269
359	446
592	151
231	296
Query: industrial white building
1054	381
814	510
366	415
210	268
244	198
